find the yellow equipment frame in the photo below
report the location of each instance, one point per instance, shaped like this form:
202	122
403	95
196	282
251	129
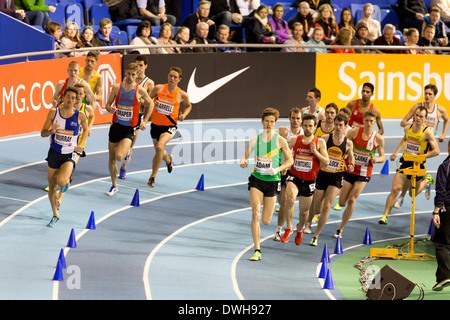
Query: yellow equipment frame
411	254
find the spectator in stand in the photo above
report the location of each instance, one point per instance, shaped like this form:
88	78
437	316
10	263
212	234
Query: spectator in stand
388	39
54	29
258	29
295	38
225	12
278	24
201	37
155	12
435	19
247	8
411	13
104	38
71	39
427	40
8	7
314	5
347	20
316	40
144	37
182	37
344	38
373	25
305	18
36	10
412	35
326	20
361	39
87	36
202	15
173	7
444	6
121	10
166	37
223	36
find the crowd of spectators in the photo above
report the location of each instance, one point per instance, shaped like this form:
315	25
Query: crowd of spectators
249	21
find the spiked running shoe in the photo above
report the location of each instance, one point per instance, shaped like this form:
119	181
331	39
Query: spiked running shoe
151	182
285	237
112	191
399	202
313	242
122	173
299	237
256	256
52	222
383	220
170	165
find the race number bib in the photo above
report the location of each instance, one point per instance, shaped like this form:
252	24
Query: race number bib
303	163
263	164
124	113
164	108
64	137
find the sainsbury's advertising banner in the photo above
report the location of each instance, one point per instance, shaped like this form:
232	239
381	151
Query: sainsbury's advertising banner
399	79
26	90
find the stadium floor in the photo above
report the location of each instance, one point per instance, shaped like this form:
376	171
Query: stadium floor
181	243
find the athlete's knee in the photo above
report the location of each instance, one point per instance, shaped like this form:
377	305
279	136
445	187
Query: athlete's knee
256	215
265	221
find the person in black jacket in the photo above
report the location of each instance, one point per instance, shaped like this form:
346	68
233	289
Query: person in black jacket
411	13
225	12
258	29
201	15
441	220
305	17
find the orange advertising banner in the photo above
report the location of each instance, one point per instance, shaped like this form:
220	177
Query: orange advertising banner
26	89
399	79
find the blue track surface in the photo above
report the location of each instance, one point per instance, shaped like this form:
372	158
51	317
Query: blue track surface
179	243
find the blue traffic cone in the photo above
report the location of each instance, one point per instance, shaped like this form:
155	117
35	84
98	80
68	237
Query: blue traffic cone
329	284
201	183
367	238
91	222
135	201
338	247
72	243
323	269
385	169
325	254
58	276
62	259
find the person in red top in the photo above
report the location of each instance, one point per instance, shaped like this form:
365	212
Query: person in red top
365	141
124	103
164	118
344	38
309	154
359	106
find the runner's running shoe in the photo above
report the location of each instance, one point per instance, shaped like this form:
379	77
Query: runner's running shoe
122	173
112	191
52	222
256	256
285	237
299	237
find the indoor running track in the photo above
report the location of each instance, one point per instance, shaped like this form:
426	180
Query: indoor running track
179	243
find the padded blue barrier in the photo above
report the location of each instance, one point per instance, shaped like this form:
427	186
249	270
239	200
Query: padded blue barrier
36	40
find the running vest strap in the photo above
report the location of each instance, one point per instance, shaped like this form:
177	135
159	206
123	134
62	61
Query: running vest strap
357	118
64	87
336	155
267	155
306	164
415	144
319	132
363	150
127	113
432	120
166	113
65	139
93	81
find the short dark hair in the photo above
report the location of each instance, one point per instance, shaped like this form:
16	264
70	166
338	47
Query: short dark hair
316	92
369	85
310	117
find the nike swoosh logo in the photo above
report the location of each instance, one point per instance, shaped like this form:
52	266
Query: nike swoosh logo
197	94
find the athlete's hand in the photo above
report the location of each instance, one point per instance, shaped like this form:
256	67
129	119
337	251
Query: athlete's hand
143	125
273	171
181	117
244	163
393	156
55	128
313	147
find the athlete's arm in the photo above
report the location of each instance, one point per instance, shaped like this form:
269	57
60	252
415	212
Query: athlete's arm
98	89
289	161
110	107
379	123
350	156
187	106
46	131
56	96
90	117
90	96
400	146
408	116
321	152
149	105
248	152
83	122
379	140
429	136
444	116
